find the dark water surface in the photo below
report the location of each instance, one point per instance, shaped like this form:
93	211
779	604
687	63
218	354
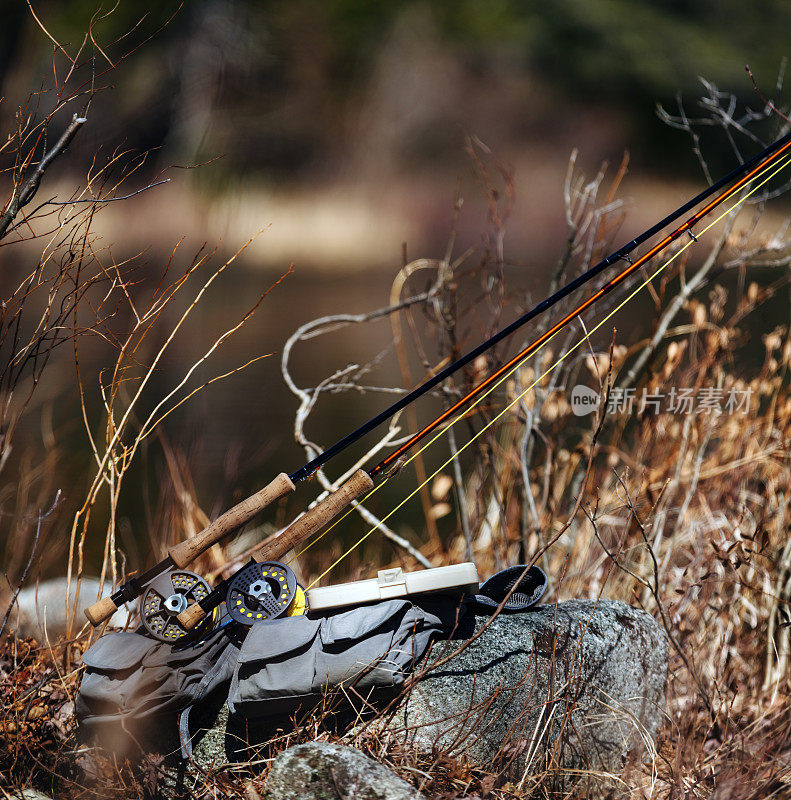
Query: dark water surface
236	435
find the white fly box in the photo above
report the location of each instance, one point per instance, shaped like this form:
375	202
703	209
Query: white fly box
389	583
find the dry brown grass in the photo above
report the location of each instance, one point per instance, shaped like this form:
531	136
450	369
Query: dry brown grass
684	514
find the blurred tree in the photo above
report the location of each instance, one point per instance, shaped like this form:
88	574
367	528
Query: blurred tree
279	86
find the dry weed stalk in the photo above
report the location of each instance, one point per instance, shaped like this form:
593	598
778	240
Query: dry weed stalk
79	293
78	290
71	292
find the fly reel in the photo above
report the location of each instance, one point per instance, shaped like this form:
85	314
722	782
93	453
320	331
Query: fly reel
264	591
166	597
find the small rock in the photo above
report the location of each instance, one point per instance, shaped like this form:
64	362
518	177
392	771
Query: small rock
42	609
211	750
34	794
567	688
180	777
319	770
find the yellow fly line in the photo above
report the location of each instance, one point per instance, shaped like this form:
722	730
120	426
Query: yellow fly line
775	169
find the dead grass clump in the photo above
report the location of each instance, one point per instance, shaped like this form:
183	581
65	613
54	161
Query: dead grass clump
37	725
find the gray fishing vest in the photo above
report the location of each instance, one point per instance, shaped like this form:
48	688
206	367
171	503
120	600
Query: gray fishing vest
134	689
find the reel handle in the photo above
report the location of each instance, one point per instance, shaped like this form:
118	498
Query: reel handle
308	523
187	551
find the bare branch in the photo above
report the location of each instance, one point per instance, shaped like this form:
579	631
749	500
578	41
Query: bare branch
30	186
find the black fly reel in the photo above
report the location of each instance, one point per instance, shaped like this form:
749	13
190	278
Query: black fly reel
166	597
264	591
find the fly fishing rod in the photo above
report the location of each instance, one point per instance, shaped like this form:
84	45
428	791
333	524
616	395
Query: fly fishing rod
180	555
363	480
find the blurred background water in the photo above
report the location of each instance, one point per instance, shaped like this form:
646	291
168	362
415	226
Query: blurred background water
337	129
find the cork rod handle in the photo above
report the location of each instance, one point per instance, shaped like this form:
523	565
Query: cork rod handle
186	552
192	616
100	611
316	517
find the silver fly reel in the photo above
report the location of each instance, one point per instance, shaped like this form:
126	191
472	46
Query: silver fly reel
166	597
263	591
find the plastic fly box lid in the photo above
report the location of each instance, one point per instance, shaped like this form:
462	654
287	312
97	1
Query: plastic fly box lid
390	583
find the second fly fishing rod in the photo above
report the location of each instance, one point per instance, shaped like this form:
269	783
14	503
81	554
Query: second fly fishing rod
362	481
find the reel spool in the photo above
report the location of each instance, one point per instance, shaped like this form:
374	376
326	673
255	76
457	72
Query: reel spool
264	591
166	597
